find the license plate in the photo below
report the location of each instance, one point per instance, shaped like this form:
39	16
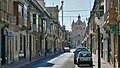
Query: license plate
85	59
84	64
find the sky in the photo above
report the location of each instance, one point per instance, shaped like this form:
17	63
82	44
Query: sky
71	10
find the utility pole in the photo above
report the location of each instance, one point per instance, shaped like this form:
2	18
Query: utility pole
118	45
99	60
91	44
62	11
118	37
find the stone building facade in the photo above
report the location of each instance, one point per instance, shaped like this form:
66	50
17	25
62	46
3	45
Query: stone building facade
77	33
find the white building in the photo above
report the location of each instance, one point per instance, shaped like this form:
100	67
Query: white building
78	30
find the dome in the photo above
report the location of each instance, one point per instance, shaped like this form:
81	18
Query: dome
79	22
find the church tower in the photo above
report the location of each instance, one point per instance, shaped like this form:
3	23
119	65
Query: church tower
78	30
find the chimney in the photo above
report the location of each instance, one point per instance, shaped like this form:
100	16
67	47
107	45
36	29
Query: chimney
41	2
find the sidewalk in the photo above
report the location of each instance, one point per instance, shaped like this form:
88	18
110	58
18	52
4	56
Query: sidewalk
104	64
24	62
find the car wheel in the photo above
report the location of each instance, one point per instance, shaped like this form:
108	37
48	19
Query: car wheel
78	65
91	63
75	61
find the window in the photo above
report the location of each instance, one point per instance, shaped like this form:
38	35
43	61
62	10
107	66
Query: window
5	5
21	42
44	25
25	15
20	13
19	10
31	17
34	18
16	43
104	6
37	22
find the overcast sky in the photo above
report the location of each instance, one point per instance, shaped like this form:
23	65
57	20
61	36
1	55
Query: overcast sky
71	10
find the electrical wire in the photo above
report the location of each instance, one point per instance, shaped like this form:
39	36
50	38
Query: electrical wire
76	10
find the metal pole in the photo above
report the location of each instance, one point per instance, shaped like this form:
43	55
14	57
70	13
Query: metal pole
99	60
118	45
118	38
62	11
118	52
91	44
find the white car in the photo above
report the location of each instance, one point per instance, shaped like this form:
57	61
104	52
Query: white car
84	58
66	49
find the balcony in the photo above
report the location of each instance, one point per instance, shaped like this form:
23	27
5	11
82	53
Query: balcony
109	18
35	29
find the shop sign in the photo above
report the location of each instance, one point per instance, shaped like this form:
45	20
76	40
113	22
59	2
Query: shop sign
113	28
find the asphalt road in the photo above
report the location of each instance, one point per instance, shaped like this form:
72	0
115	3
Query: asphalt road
60	61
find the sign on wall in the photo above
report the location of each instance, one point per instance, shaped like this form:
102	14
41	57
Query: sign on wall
113	28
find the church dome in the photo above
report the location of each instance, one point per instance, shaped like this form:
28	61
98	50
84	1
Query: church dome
79	22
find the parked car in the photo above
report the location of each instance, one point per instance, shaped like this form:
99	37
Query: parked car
77	51
84	58
66	49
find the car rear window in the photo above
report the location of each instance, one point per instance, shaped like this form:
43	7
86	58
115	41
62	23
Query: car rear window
81	49
85	54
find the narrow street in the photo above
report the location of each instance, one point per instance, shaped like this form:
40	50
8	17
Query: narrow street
62	61
36	33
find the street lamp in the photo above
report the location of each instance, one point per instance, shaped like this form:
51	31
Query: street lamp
98	22
62	11
99	60
118	44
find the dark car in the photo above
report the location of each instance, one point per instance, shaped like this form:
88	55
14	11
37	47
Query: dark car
84	58
77	51
66	49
